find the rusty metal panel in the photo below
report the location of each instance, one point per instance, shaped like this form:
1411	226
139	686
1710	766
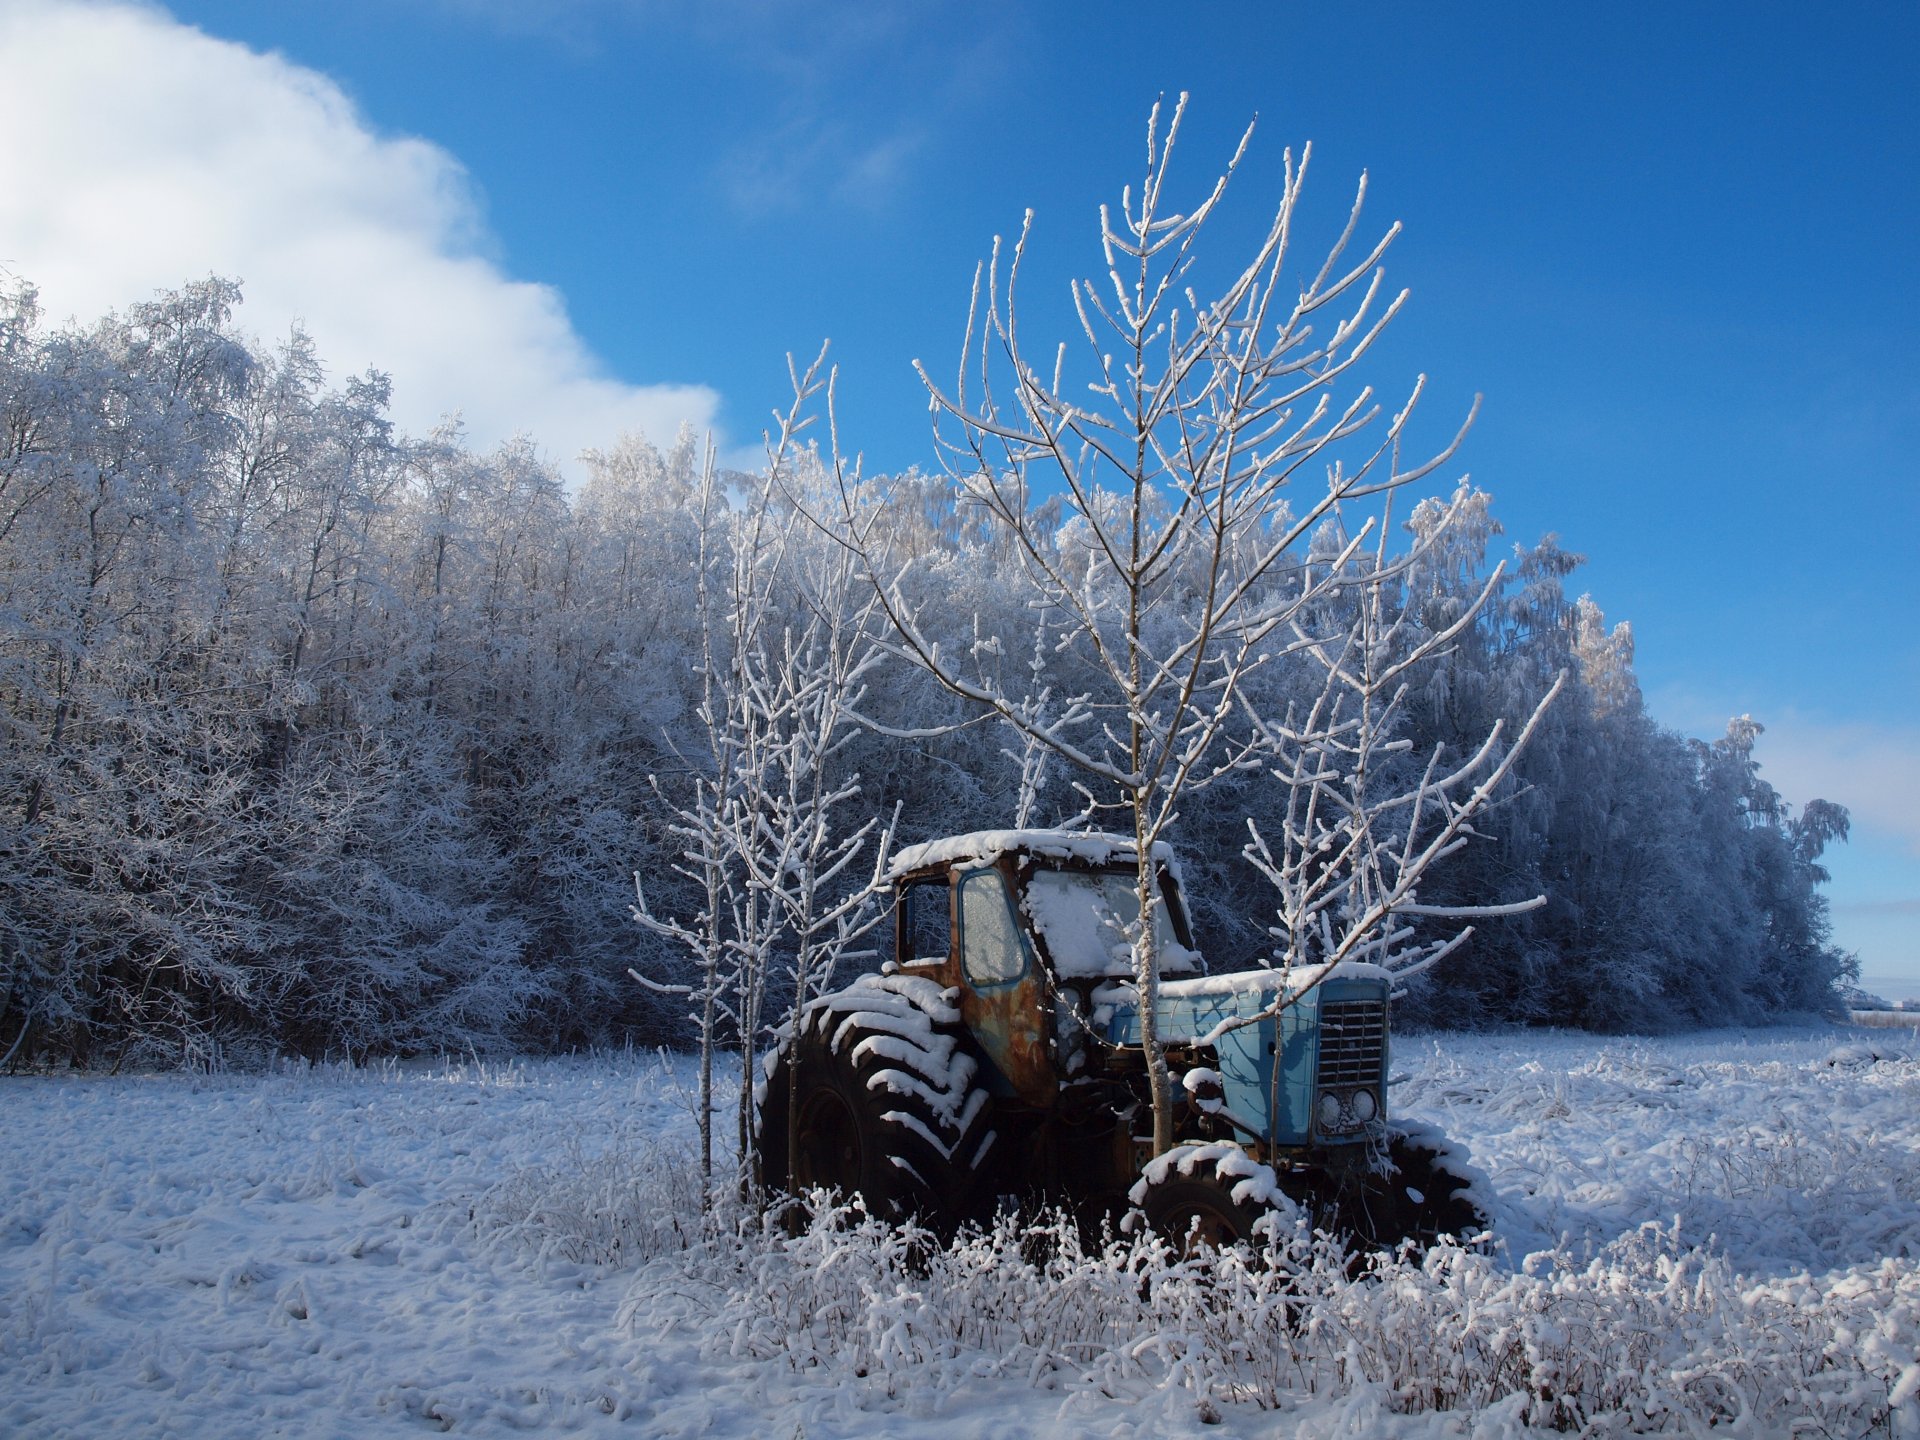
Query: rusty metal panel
1004	1001
1006	1023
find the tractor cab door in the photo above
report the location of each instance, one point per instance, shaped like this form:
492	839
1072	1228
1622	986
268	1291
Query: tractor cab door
923	923
1000	1001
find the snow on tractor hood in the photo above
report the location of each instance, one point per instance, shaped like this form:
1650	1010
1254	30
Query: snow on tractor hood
1089	847
1293	981
1257	982
1191	1008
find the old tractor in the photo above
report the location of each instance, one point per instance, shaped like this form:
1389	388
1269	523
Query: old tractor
998	1056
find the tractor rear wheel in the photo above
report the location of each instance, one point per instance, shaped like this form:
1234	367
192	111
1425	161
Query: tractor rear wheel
888	1108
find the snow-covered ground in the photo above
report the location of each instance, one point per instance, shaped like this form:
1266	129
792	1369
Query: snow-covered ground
1724	1226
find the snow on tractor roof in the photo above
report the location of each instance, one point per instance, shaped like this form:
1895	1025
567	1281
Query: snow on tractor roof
1091	847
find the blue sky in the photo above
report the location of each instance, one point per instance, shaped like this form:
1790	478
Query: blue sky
1673	245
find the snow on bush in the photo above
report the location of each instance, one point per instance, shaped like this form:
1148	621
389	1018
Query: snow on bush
1746	1318
1649	1334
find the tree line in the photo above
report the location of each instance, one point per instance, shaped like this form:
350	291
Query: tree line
319	738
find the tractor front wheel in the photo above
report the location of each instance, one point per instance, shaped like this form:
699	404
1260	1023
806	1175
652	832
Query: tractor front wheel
1207	1197
1429	1191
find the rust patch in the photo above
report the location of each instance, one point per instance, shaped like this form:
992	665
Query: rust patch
1008	1023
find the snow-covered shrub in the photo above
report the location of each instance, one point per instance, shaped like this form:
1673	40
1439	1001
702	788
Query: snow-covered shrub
1028	1299
1802	1188
1645	1335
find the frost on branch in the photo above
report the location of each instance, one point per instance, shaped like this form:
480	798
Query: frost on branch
763	832
1365	819
1179	439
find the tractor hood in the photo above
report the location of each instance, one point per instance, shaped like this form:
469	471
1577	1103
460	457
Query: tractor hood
1315	1072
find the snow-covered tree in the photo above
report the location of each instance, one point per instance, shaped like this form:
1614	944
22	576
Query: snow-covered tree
1179	453
769	832
317	737
1367	818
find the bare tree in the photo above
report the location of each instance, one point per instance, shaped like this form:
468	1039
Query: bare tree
762	831
1365	821
729	917
1178	455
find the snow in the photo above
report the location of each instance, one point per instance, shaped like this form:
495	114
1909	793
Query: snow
894	1017
1252	1183
1250	987
1257	982
1090	847
1203	1088
944	1102
1724	1225
1084	919
905	1005
1450	1157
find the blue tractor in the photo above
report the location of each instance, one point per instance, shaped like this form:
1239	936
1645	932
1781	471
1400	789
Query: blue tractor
999	1055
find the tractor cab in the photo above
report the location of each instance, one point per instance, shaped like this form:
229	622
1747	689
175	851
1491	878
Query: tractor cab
1030	926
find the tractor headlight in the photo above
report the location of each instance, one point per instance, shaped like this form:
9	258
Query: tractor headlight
1341	1112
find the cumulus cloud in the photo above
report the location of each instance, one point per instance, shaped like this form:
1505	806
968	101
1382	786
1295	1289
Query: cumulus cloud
141	153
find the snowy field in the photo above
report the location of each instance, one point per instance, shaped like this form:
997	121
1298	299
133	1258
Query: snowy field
1717	1234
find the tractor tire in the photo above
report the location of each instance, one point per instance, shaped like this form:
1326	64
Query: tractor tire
1206	1197
1431	1193
890	1108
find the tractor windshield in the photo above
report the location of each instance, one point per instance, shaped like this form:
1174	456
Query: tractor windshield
1085	916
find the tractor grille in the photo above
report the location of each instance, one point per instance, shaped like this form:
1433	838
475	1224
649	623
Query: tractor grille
1353	1034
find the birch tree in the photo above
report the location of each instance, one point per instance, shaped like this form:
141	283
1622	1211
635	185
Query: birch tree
735	570
765	841
1195	444
1366	820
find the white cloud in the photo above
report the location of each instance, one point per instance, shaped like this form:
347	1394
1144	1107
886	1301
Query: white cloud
1870	766
1872	769
138	153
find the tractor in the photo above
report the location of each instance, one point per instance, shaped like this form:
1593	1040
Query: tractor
998	1057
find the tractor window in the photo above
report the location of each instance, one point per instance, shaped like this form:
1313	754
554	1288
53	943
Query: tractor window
925	928
989	939
1085	916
